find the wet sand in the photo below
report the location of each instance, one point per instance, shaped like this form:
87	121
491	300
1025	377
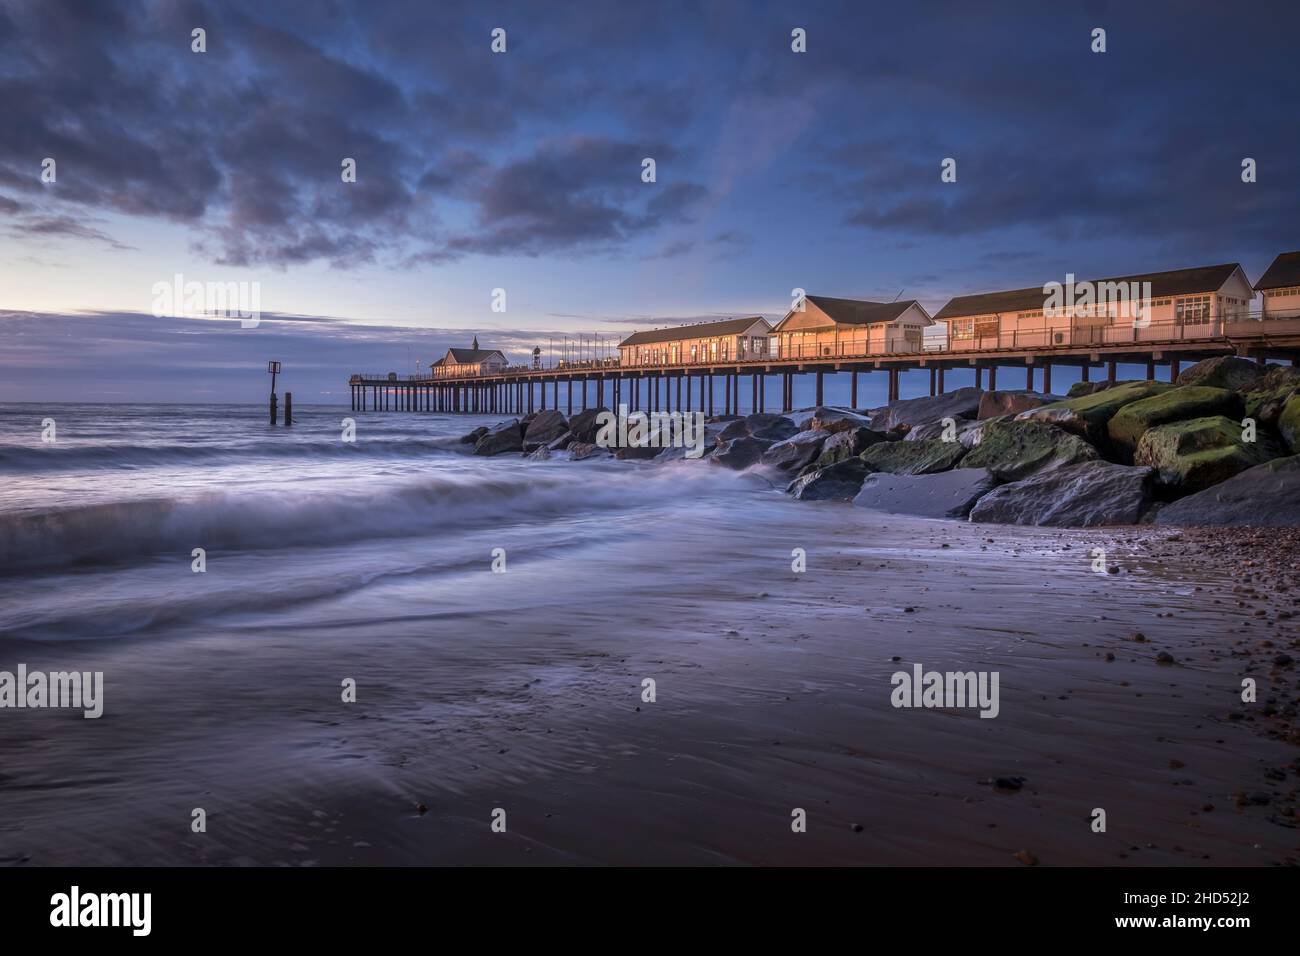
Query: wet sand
522	691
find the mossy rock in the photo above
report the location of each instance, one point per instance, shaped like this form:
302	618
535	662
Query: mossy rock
1131	422
1193	455
1223	371
1088	415
1017	449
913	457
1266	406
1288	423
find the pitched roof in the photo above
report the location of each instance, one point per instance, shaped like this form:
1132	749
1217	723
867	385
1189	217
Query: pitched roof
1175	282
1284	271
860	311
468	356
701	330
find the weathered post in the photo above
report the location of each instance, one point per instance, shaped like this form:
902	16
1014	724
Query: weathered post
1047	378
274	369
288	408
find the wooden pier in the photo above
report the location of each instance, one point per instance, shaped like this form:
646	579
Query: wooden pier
692	387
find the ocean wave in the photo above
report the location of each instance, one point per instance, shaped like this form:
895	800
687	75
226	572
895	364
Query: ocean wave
29	459
333	513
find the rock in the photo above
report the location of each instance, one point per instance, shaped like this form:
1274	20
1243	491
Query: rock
947	494
736	429
1088	415
740	453
474	436
1288	423
643	452
906	414
1128	425
500	438
1267	406
547	453
839	481
995	404
1079	389
961	426
1017	449
583	425
760	425
797	451
1267	495
835	420
913	457
1223	371
1195	454
771	427
1085	495
581	450
546	426
849	443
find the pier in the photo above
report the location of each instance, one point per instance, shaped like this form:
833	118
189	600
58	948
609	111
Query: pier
715	387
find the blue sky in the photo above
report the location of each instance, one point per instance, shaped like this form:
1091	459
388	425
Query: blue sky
522	170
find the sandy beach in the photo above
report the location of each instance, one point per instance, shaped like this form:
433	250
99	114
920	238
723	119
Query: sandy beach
523	691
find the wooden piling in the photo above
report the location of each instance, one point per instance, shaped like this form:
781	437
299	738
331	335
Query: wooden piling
288	408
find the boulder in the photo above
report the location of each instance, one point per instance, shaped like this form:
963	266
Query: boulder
797	451
547	453
835	419
839	481
1085	495
913	457
849	443
1223	371
500	438
908	413
1266	403
1288	423
1128	425
473	437
947	494
581	450
996	404
1267	495
740	453
583	425
1088	415
1193	455
1013	450
961	426
546	426
759	425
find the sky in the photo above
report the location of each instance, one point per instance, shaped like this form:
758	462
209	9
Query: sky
522	170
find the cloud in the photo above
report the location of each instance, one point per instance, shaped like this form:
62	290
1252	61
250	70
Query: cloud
243	144
58	226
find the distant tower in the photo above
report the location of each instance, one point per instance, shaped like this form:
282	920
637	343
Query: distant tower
475	345
537	357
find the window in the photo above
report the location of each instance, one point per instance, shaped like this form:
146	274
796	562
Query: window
1192	309
961	328
986	326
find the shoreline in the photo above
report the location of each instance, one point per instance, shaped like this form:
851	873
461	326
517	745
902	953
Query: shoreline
767	701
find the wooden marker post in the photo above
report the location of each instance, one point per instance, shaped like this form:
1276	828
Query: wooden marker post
274	369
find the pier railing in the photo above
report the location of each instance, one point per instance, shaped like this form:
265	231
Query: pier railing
1253	328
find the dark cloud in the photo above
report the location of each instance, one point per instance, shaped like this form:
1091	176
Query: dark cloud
66	226
244	143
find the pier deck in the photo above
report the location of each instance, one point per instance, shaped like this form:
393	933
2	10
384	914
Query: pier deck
686	387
